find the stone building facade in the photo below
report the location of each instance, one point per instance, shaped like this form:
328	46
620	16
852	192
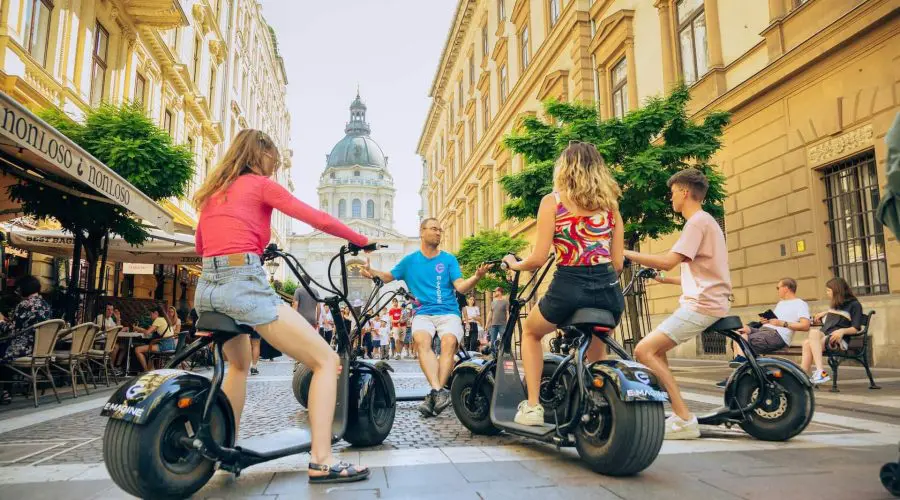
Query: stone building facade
175	58
811	85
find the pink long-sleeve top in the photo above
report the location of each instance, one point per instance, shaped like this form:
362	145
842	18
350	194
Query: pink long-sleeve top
238	220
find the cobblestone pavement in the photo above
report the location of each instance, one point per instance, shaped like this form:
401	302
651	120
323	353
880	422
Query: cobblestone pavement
270	406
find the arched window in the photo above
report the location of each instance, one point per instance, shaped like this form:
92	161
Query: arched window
370	209
342	208
357	209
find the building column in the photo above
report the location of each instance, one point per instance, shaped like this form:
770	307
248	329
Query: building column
670	75
633	102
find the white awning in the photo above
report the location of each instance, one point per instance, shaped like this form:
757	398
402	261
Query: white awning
32	142
161	248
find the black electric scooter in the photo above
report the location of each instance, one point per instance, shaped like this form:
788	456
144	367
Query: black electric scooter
168	430
372	308
613	408
303	375
771	399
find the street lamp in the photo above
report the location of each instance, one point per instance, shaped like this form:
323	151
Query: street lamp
272	266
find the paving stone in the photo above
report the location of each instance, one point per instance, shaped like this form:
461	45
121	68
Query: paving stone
429	477
62	490
297	483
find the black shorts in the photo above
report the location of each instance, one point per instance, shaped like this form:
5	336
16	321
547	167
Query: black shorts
765	340
579	287
254	335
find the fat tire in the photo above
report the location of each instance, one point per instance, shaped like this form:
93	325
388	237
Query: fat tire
480	426
132	455
634	441
890	478
300	384
797	416
369	431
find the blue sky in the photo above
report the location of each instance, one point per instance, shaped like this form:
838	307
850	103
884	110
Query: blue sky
390	48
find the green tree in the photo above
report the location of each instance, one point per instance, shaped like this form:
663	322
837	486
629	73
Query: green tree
289	287
127	141
484	246
642	150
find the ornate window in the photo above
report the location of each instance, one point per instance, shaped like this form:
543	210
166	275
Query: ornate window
525	54
619	81
140	89
555	8
195	63
342	208
485	49
504	84
857	236
357	209
692	40
485	111
501	11
168	123
99	63
370	209
37	28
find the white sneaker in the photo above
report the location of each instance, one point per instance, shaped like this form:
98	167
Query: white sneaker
676	428
820	377
529	415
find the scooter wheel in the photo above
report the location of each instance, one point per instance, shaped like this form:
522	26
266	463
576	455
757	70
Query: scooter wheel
370	425
890	478
300	384
783	415
477	416
149	461
621	438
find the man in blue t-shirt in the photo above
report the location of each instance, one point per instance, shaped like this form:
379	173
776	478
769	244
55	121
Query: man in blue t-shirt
434	277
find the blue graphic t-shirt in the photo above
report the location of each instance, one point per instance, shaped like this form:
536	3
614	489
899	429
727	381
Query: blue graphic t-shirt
431	281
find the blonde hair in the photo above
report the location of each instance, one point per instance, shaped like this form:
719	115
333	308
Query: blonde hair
244	156
582	175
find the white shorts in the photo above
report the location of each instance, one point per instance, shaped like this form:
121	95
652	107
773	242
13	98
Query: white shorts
442	324
685	324
398	332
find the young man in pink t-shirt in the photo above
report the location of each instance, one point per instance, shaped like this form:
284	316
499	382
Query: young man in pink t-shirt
706	291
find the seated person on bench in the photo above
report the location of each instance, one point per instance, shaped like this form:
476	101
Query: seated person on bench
844	317
791	314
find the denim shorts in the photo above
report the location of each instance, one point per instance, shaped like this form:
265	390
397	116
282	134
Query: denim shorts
241	292
579	287
166	344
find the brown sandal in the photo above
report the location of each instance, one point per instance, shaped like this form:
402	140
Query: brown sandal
336	473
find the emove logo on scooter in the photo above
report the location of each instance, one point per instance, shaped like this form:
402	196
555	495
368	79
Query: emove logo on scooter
124	409
648	394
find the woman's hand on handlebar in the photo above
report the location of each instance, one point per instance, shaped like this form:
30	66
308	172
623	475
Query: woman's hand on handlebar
511	262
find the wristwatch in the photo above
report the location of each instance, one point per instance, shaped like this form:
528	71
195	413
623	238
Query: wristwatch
661	275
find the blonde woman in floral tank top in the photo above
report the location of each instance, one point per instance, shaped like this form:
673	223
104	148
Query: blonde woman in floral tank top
581	220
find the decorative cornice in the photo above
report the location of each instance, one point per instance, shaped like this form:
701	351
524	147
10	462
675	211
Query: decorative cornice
550	81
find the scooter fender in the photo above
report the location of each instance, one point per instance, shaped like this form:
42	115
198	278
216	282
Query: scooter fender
137	400
632	380
363	382
473	366
769	366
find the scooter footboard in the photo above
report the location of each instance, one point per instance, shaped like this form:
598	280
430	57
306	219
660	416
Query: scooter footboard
632	380
136	400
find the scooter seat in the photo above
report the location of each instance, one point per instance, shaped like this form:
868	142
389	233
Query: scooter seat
726	324
220	323
592	317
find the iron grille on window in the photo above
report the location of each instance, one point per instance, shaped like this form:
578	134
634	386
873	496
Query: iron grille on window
857	237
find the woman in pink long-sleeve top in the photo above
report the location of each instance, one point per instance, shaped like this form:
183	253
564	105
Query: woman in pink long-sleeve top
235	205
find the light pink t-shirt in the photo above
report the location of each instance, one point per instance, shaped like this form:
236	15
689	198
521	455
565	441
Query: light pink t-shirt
705	278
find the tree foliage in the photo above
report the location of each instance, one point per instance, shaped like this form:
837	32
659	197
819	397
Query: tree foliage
485	246
642	150
129	143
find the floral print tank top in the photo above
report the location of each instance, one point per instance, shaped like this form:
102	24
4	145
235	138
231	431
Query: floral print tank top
582	240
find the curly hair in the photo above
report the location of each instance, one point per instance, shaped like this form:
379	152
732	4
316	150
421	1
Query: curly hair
581	173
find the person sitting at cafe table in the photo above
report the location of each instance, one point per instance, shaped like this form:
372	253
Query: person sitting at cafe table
16	336
162	336
109	318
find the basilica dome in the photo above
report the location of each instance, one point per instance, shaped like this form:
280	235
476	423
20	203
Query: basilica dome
357	147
